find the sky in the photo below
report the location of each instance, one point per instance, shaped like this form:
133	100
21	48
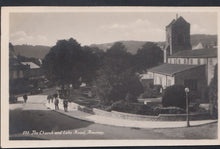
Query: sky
101	27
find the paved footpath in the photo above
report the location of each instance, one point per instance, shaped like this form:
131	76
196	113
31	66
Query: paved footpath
73	112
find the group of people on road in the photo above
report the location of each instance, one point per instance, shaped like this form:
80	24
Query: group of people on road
50	98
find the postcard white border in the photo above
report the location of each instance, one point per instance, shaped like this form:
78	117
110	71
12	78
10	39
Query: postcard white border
5	142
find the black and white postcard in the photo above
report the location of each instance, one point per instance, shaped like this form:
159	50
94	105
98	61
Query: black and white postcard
109	76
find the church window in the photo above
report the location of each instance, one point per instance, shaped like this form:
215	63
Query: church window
168	82
168	60
199	61
210	61
160	80
191	61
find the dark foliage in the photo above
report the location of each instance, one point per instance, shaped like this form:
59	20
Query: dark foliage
68	62
133	108
174	96
115	78
151	92
148	56
92	57
213	93
168	110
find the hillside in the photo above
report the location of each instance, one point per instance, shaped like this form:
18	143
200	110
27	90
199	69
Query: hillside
132	46
204	39
31	51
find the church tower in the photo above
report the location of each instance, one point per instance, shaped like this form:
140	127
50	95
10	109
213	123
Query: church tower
177	37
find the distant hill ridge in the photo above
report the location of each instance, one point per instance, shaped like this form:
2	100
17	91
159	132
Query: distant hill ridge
131	45
31	51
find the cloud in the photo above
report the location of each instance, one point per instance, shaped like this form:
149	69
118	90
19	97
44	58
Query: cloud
131	25
197	29
21	37
140	29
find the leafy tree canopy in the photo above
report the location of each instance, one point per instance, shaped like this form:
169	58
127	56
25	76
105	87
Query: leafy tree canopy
148	56
68	62
116	79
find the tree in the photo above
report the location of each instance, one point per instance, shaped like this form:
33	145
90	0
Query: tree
213	93
63	64
174	96
115	78
92	57
148	56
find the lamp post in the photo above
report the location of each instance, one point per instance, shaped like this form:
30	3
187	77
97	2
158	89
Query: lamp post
70	88
187	106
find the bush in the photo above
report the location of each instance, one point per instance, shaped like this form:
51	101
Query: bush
130	98
213	94
132	108
150	93
168	110
122	86
174	96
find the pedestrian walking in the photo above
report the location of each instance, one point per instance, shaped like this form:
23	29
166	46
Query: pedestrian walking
25	98
56	103
65	104
54	96
49	98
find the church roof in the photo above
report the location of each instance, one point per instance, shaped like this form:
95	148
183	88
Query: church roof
198	53
179	19
171	69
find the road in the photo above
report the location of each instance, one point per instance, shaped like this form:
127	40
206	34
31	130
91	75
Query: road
34	121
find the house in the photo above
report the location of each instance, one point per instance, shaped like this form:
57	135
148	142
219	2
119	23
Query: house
34	74
18	81
198	46
23	75
34	71
182	65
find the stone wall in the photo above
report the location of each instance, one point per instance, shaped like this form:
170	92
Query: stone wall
127	116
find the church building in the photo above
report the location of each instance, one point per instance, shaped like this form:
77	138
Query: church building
182	65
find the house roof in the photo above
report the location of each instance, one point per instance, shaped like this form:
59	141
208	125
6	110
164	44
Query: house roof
203	53
31	64
198	46
171	69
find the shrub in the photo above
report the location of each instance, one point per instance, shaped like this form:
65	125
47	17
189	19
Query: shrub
149	93
212	94
130	98
132	108
174	96
168	110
